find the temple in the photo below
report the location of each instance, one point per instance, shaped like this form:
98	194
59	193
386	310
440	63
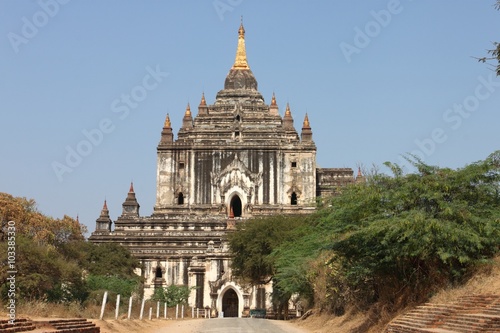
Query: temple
238	158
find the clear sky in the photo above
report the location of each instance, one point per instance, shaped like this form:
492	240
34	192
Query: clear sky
377	78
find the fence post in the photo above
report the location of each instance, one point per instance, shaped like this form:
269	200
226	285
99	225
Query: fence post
104	298
192	312
197	313
176	311
182	311
142	308
117	311
165	310
150	312
129	307
158	310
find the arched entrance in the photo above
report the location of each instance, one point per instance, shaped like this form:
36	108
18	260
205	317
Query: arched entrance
235	206
230	304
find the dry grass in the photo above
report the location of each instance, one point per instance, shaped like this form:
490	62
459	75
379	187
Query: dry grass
485	281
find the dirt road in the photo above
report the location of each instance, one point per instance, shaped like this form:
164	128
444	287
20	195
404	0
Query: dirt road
231	325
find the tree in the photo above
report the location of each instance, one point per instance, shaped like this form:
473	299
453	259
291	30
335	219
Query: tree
253	245
399	238
33	224
494	54
172	294
53	260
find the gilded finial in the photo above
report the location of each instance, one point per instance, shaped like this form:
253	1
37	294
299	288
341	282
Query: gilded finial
168	124
203	101
306	122
273	100
188	111
105	206
241	54
288	113
131	190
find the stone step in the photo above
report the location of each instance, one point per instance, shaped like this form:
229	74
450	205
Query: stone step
19	325
469	314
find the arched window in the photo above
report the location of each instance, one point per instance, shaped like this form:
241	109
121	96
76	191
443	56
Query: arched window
293	199
180	199
236	206
158	273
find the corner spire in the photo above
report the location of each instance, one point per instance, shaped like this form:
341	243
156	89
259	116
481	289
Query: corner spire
273	100
241	54
131	190
203	101
288	113
306	122
306	134
188	111
168	124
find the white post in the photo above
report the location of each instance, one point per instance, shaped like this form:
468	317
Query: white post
182	311
158	310
104	298
197	313
176	311
165	310
150	312
117	311
142	309
129	307
192	313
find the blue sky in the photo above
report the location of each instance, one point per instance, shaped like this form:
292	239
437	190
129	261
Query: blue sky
377	78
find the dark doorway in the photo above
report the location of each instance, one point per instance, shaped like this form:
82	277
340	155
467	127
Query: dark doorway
180	199
293	200
230	303
236	206
159	273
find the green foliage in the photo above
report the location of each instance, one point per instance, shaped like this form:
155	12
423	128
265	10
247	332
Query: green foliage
253	243
172	294
106	259
43	273
113	284
404	236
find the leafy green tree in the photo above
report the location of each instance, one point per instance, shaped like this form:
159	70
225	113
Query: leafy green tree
253	243
399	238
253	246
43	273
172	294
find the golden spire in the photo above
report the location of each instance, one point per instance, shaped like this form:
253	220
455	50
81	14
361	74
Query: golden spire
288	113
188	111
167	122
241	54
306	122
203	101
273	100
